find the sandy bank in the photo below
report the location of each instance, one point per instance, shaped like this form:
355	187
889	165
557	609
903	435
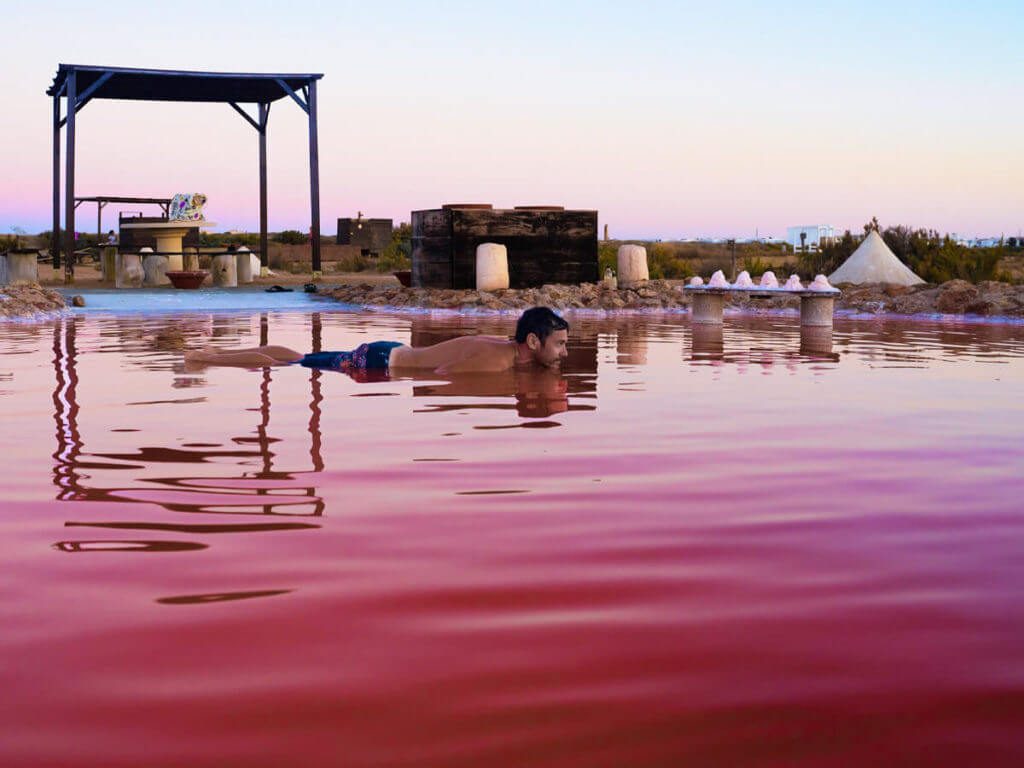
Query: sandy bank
28	300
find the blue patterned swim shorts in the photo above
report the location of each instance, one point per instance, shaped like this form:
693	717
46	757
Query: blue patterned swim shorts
366	357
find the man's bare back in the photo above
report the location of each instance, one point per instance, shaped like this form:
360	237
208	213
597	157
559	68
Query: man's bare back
464	354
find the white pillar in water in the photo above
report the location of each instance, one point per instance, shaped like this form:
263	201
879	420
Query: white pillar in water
632	261
491	267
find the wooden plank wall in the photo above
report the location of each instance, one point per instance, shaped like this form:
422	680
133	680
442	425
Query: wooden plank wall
373	236
431	249
544	246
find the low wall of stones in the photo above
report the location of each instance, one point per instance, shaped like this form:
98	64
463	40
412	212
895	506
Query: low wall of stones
954	297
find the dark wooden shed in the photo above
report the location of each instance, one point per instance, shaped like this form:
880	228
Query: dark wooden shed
546	244
370	235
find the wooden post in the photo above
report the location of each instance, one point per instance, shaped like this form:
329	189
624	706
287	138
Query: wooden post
55	234
264	116
99	222
314	181
69	180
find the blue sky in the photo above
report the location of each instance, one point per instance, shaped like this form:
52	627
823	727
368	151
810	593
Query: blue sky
671	119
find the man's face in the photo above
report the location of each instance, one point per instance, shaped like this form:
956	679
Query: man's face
552	351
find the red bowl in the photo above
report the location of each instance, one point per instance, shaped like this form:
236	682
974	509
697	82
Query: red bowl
189	279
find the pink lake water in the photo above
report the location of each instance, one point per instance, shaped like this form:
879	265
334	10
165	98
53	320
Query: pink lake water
689	547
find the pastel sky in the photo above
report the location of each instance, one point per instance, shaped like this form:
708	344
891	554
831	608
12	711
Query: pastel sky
672	119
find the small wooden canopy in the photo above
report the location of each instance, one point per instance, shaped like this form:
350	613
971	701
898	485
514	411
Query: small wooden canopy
79	84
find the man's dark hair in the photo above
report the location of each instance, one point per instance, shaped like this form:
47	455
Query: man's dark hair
541	321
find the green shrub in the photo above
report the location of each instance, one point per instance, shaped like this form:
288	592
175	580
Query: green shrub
663	262
353	263
607	258
397	254
755	266
224	239
291	237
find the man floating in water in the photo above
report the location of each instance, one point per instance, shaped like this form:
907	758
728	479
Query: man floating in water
540	339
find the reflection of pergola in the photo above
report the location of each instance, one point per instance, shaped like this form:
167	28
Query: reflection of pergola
81	84
70	480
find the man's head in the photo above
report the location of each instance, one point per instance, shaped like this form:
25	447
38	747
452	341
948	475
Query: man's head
544	335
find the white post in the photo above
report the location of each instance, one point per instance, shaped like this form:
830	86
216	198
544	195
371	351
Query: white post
128	272
243	265
154	266
225	270
632	261
491	267
20	268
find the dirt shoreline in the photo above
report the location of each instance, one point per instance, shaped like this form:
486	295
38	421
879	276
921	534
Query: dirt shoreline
956	297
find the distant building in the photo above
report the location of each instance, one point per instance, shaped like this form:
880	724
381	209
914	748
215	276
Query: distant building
372	236
811	237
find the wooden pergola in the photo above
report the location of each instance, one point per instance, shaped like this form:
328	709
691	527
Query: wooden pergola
78	85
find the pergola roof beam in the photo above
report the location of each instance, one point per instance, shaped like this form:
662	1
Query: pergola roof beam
287	89
245	114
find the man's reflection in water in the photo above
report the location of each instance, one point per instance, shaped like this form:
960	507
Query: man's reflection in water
535	394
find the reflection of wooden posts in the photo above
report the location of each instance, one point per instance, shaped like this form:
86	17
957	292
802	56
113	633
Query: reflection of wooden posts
261	430
65	413
315	398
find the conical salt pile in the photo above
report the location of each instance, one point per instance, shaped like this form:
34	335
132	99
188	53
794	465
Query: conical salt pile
873	262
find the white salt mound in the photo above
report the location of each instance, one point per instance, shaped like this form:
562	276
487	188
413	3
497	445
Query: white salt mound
718	280
873	262
820	284
696	282
768	280
793	284
743	280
